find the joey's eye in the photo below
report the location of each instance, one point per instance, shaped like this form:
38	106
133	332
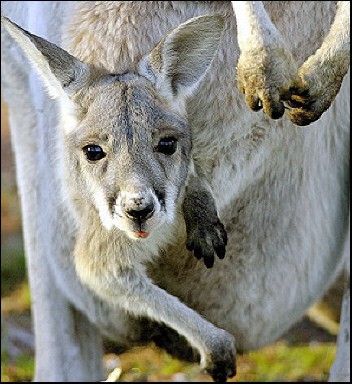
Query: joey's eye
167	146
94	152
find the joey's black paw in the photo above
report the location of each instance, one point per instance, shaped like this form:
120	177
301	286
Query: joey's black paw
221	363
220	372
206	235
207	238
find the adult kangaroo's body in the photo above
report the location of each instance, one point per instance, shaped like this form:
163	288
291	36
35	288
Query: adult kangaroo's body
280	190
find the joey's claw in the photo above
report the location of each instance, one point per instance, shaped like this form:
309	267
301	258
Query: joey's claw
198	252
209	258
220	251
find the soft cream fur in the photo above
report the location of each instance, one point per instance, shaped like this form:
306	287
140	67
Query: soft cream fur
281	190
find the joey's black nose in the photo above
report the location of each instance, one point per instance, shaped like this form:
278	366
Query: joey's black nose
141	214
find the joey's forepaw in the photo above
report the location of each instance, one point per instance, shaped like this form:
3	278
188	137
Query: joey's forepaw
221	370
206	235
222	363
207	239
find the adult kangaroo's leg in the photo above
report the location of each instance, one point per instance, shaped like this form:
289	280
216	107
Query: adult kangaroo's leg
340	370
267	73
265	68
319	79
67	346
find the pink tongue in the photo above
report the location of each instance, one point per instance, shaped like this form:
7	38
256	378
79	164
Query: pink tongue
142	234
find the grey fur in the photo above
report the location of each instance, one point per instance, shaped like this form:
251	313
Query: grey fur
280	191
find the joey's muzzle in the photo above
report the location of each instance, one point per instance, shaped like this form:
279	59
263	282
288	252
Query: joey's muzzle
140	213
137	211
138	206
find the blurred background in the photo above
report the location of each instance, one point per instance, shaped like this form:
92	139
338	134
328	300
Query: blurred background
305	353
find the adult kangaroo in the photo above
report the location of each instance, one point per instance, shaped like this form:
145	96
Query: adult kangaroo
148	148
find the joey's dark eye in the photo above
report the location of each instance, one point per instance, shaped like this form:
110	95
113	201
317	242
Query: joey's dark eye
167	146
94	152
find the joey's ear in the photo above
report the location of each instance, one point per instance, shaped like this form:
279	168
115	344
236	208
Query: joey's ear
59	70
181	59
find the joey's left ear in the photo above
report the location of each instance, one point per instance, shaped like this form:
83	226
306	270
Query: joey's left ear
181	59
62	73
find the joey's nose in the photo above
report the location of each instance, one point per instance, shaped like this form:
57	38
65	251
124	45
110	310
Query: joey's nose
141	214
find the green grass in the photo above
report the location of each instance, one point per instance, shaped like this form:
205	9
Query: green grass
276	363
17	370
284	363
13	267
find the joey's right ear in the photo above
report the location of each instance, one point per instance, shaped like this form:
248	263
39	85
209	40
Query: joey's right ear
181	59
61	72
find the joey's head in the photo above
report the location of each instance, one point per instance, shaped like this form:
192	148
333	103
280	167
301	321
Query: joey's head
127	142
128	154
